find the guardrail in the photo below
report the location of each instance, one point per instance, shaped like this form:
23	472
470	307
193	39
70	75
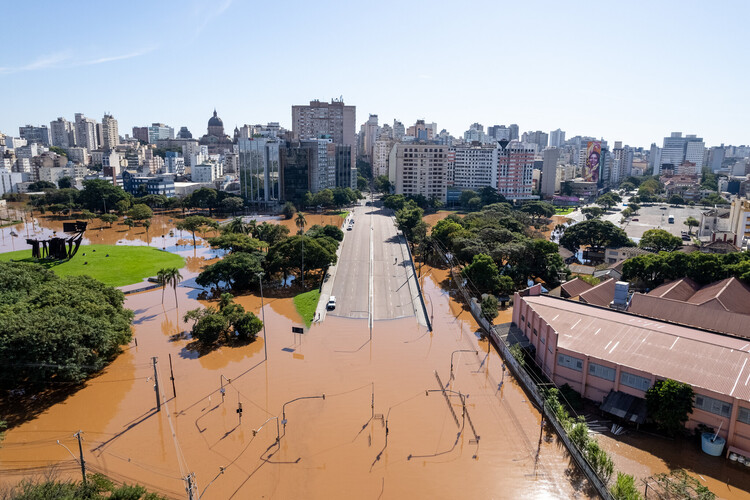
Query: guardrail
419	288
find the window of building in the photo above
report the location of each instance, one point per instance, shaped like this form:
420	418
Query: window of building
602	371
743	415
534	331
635	381
570	362
543	341
714	406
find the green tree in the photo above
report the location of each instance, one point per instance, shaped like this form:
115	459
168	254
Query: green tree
383	184
169	276
323	198
592	212
236	271
232	204
41	186
713	199
676	199
235	226
300	222
624	488
194	223
691	222
362	183
57	329
272	233
204	198
607	200
65	182
99	195
288	211
235	242
634	207
130	223
538	210
108	219
594	233
123	206
669	403
210	328
483	274
659	240
489	307
466	196
140	212
409	221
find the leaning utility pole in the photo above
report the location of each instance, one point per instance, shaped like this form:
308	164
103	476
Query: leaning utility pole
80	451
156	385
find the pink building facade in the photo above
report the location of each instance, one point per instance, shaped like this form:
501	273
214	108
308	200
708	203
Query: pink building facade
611	354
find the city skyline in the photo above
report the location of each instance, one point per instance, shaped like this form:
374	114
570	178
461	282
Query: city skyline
252	63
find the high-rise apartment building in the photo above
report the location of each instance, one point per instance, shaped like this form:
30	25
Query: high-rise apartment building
62	133
539	138
550	156
556	138
513	132
86	136
399	131
475	167
332	120
110	133
371	130
515	171
422	131
476	134
678	149
158	131
39	135
622	163
323	164
499	132
420	168
381	152
141	134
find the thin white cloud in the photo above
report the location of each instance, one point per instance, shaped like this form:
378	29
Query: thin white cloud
209	12
44	62
64	60
116	58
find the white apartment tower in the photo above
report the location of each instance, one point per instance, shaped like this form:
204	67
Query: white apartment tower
550	156
475	167
420	168
86	136
62	133
110	134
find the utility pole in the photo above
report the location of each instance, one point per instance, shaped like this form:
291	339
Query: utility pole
189	479
171	375
263	315
80	451
156	385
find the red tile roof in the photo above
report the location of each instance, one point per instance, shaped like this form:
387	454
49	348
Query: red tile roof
575	287
600	295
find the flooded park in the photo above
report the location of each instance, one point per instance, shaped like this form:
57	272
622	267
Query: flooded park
341	410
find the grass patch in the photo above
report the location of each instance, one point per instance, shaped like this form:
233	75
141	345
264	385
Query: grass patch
341	213
124	266
11	223
564	210
306	303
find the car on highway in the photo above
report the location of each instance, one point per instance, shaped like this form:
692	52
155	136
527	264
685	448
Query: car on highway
349	227
331	303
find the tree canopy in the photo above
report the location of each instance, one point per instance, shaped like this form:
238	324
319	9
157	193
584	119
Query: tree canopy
596	234
658	240
669	403
99	195
194	223
61	329
652	270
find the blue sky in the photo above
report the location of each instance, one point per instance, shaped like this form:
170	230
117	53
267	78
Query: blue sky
632	71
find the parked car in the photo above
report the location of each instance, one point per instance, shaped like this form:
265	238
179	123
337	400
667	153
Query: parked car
331	303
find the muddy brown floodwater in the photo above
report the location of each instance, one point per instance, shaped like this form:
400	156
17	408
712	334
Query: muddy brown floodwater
383	430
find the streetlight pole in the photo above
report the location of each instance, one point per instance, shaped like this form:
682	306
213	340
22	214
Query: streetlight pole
460	350
263	315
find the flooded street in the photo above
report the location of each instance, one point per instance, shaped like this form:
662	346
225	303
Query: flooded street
331	413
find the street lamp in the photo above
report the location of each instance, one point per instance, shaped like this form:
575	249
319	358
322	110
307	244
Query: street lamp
460	350
263	315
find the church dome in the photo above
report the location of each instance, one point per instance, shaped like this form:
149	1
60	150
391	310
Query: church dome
215	121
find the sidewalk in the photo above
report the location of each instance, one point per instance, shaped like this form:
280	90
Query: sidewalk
325	291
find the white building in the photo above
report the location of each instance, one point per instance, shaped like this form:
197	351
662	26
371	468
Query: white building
158	131
371	130
420	168
110	133
678	149
475	167
62	133
9	181
556	138
85	131
381	152
206	172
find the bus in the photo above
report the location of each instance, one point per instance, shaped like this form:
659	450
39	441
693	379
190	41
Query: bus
670	219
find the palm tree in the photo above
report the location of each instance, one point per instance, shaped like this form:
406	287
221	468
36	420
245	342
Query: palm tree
161	278
301	221
147	224
236	226
169	276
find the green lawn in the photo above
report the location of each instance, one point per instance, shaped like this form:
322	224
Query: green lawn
114	265
564	210
306	303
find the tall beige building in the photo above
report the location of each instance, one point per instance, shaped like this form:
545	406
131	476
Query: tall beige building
110	134
420	168
332	120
